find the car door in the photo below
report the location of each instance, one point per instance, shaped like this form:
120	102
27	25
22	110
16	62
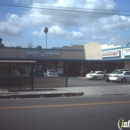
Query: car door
100	75
127	74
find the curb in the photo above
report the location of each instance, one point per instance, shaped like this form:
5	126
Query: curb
14	96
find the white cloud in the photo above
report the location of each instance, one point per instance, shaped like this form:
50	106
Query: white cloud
9	44
75	35
6	28
22	1
37	34
56	31
118	40
115	22
69	19
98	37
65	18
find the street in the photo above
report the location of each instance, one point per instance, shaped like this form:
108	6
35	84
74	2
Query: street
71	113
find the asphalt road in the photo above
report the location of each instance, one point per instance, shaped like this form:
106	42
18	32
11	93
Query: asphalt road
81	81
73	113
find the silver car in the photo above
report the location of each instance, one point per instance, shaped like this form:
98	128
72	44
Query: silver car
95	75
51	73
122	76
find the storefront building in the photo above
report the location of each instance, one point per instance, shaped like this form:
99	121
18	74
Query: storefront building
71	60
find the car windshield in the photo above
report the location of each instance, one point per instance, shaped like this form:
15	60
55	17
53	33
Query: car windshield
94	72
120	72
115	71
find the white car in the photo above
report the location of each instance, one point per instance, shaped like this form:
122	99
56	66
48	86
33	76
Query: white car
51	73
122	76
96	75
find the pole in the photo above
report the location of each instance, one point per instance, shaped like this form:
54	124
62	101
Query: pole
46	40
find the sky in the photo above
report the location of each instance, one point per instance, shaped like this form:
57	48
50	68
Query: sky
69	22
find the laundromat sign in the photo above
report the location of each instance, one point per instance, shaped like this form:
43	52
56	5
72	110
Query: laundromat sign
43	54
108	54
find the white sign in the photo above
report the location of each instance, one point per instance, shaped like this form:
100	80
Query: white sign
110	54
126	52
43	54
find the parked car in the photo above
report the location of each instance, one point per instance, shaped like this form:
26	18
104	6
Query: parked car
122	76
95	75
115	71
51	73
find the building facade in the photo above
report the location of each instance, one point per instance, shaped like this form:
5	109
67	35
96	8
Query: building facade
72	60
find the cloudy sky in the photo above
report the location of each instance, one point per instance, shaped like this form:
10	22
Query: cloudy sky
70	22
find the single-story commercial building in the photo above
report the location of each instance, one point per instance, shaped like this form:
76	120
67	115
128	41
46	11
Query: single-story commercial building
67	60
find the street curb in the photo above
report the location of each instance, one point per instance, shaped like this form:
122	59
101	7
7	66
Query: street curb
44	95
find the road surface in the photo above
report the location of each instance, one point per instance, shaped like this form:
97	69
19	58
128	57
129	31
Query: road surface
72	113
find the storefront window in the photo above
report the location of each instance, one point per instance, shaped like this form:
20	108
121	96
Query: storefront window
4	71
20	70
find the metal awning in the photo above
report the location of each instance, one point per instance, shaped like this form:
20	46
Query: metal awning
17	61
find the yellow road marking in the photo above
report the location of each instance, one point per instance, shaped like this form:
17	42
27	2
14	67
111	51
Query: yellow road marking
65	105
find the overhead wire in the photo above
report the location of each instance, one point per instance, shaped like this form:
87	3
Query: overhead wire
69	9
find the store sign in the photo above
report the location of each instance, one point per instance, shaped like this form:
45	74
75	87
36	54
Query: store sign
126	52
43	54
110	54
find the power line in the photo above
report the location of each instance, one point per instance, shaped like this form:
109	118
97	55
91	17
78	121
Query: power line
25	5
68	9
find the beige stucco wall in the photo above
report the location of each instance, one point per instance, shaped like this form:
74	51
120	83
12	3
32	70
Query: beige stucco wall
49	82
17	53
72	55
92	50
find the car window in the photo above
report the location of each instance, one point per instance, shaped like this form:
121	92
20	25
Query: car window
120	72
123	70
100	72
127	73
92	72
115	71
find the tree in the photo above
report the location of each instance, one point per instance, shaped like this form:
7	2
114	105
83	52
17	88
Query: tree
1	44
46	31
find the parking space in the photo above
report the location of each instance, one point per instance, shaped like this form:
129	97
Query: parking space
81	81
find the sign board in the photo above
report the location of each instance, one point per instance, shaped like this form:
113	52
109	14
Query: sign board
43	54
107	54
126	52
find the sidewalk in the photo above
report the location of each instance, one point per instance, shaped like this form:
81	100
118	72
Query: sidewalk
39	93
66	92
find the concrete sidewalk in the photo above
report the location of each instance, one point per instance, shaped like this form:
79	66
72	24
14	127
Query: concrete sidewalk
39	93
66	91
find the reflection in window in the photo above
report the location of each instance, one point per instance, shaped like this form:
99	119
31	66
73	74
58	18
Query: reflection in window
20	70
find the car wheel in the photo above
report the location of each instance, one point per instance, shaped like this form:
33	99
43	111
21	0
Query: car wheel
95	78
123	80
107	80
